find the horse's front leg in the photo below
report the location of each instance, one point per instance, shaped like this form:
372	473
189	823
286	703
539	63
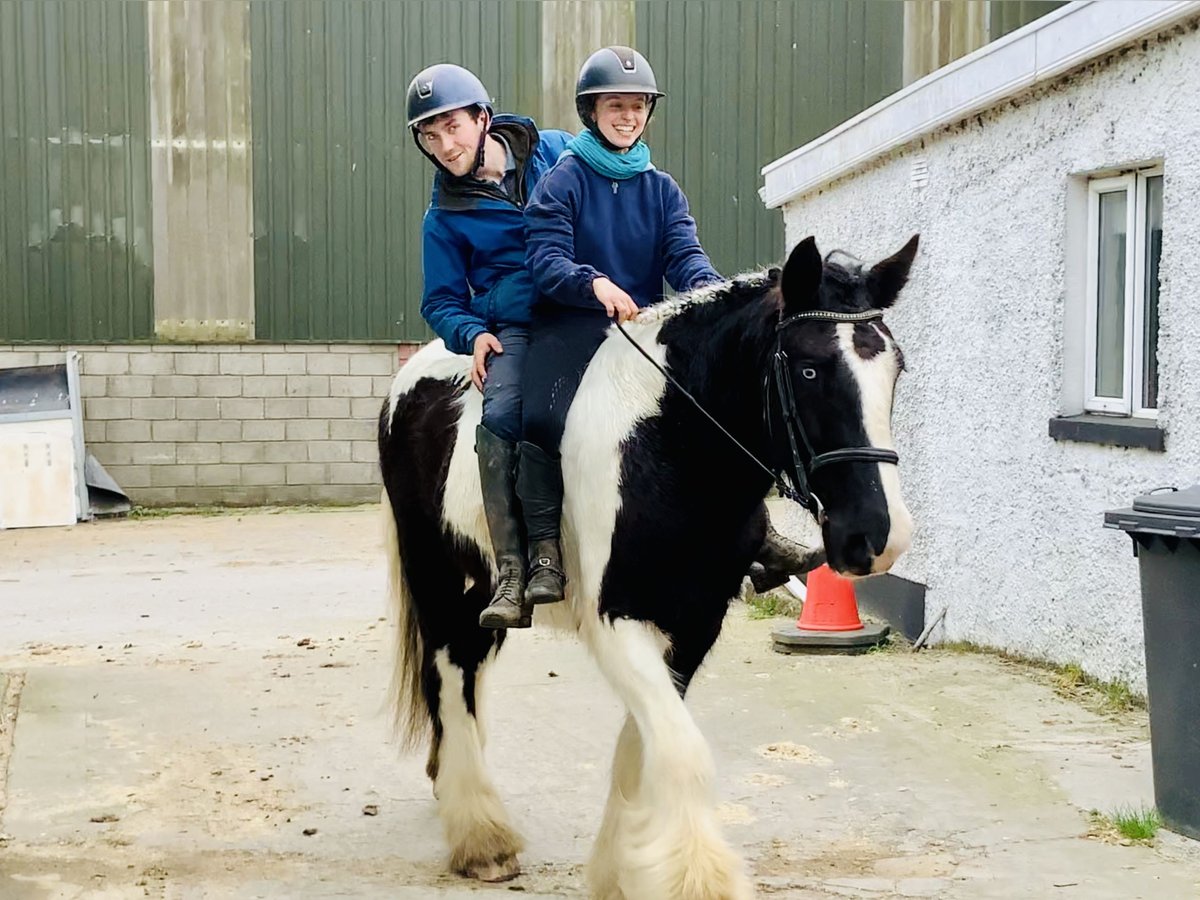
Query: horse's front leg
483	844
663	843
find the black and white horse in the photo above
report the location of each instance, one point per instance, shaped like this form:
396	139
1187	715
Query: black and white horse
661	519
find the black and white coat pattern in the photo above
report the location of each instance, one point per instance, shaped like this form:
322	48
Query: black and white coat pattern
661	518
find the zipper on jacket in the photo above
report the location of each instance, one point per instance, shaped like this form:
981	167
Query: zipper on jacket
614	187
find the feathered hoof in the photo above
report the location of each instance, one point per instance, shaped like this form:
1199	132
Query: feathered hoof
496	870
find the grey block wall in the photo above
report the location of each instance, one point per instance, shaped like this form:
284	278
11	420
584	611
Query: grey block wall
238	424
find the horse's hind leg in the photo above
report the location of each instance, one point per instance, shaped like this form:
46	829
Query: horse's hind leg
604	866
667	843
482	843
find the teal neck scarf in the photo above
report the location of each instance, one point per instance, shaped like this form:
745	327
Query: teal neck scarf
609	164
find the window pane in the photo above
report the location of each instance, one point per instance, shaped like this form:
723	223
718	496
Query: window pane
1110	311
1154	188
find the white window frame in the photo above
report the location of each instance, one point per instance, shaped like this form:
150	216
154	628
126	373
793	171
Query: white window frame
1135	188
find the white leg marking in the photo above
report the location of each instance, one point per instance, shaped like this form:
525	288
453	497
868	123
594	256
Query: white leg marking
482	843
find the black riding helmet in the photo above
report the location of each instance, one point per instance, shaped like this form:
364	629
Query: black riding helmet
441	89
613	70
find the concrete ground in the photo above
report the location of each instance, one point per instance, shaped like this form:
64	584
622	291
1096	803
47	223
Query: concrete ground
198	710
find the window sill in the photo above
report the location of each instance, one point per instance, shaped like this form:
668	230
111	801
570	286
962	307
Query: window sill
1111	431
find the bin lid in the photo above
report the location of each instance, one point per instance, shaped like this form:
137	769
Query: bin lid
1162	511
1170	502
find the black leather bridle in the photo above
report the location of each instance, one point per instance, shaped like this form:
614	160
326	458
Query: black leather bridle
799	468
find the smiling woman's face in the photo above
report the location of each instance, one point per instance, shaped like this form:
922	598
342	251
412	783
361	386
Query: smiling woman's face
621	118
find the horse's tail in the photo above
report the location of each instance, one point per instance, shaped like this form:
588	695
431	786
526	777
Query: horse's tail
410	712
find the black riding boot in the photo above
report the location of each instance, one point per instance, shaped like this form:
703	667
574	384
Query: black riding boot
497	474
540	487
779	558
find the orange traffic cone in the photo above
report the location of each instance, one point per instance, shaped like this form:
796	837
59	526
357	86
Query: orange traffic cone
829	619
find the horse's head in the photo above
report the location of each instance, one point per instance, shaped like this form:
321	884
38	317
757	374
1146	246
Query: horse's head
838	364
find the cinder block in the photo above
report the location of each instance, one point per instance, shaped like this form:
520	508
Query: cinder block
99	362
154	453
353	430
107	408
219	386
353	473
113	454
173	430
172	476
350	386
219	431
345	493
242	452
263	430
264	474
129	385
176	386
366	408
328	363
152	364
155	496
284	364
329	408
307	430
285	452
240	364
328	451
264	385
364	451
127	430
219	474
372	364
286	407
241	408
308	385
198	408
201	363
156	408
203	455
307	473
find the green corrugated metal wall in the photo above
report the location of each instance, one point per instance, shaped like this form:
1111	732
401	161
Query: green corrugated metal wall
339	188
75	248
747	83
1009	15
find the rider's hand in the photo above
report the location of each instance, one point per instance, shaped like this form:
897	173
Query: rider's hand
616	302
485	345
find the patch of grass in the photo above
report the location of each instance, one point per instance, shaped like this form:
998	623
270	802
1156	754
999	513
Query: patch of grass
1126	823
1069	681
767	606
1139	824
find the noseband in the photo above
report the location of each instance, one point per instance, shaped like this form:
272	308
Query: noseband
798	470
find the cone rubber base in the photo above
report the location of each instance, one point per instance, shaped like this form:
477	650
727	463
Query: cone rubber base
791	639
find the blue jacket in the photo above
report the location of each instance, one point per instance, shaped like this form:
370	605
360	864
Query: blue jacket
636	232
473	242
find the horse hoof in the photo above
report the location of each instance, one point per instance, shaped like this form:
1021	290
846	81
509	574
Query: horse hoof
494	871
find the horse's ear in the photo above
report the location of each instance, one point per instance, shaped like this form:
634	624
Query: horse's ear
801	278
888	276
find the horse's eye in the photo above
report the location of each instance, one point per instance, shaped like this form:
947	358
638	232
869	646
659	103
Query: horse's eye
809	374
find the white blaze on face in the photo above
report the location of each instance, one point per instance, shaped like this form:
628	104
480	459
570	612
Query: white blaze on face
876	379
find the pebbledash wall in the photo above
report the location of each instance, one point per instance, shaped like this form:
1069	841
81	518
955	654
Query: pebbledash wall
238	424
988	159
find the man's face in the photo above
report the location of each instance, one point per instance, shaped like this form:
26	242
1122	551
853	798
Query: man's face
453	139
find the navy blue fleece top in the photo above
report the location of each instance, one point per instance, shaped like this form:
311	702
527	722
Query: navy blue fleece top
636	231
